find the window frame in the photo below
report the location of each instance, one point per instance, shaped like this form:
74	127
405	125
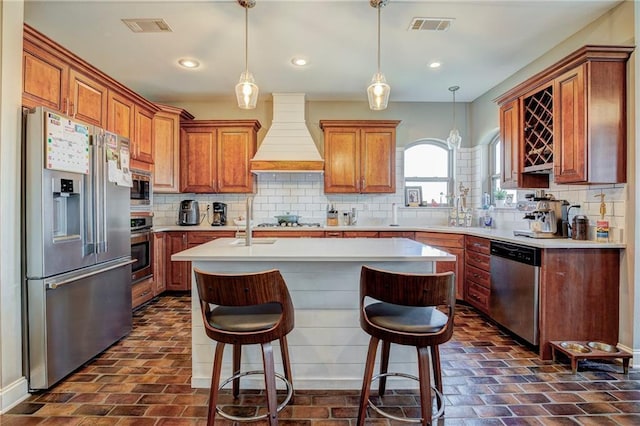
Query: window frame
439	143
495	176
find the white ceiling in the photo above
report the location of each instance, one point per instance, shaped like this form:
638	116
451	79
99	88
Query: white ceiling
487	42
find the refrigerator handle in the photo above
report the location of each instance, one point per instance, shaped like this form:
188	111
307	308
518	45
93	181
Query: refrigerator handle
52	285
89	246
100	207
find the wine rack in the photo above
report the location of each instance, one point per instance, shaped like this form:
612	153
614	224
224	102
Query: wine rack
538	131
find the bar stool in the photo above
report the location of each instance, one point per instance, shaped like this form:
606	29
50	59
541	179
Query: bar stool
252	308
404	312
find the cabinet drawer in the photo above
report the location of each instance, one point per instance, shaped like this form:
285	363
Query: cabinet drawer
478	296
478	276
442	240
201	237
397	234
479	260
360	234
480	245
141	292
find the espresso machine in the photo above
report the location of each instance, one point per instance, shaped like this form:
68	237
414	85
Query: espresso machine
549	219
219	211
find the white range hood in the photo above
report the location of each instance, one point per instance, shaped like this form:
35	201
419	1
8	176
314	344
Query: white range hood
288	145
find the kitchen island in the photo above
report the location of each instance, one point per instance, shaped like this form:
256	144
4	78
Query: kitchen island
327	347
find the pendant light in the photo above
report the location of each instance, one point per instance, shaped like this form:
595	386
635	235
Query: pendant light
378	91
246	89
454	139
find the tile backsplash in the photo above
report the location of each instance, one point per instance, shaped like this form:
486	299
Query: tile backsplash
303	194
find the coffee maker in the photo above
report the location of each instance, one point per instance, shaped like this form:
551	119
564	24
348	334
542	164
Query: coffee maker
219	214
548	220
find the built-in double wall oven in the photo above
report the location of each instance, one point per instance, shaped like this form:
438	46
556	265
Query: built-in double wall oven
141	246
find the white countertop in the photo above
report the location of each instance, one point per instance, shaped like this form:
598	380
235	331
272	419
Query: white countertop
315	250
494	234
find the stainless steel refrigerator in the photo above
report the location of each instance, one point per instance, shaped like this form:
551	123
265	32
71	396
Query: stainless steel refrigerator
76	248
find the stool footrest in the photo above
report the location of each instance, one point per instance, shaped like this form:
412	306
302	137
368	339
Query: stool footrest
283	404
439	400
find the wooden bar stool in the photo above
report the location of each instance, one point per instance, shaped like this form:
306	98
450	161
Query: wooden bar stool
253	308
403	311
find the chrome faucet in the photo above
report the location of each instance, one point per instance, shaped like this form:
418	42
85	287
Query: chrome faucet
248	237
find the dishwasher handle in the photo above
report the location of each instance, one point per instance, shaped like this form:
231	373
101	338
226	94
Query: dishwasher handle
517	253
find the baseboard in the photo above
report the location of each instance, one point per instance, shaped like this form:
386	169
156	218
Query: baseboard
12	395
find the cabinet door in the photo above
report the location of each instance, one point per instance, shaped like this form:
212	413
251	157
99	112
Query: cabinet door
456	267
178	274
166	153
509	135
378	160
198	160
120	117
159	262
235	148
569	133
45	79
88	99
142	143
342	160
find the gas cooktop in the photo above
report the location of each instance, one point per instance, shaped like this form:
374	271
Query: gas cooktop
288	225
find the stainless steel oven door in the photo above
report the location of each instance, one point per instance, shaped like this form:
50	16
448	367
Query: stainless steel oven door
141	251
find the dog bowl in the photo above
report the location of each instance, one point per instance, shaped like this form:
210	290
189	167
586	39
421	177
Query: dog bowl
599	346
575	347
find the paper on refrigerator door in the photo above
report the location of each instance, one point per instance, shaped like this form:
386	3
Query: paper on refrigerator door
117	161
67	144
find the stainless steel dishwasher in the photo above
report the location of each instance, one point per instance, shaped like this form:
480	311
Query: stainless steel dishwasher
514	297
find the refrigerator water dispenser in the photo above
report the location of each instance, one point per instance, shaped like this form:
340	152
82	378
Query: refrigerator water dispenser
67	211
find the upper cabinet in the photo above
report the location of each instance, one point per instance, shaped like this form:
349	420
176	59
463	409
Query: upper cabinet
215	155
55	78
166	153
569	120
360	156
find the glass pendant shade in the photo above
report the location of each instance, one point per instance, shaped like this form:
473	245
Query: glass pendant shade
247	91
378	92
454	139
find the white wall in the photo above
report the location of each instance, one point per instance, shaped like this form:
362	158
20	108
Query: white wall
13	386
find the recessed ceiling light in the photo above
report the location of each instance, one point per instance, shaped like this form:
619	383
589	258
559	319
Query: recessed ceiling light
299	62
189	63
435	65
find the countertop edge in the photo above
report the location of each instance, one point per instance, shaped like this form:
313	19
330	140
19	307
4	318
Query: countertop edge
494	234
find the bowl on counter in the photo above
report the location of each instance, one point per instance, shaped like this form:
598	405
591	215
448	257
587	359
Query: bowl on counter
287	218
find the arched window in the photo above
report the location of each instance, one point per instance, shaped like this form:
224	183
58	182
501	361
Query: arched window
428	164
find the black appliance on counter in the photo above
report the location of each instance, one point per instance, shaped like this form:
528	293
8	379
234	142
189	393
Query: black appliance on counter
189	213
219	214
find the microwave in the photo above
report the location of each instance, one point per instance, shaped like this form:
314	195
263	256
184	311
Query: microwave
141	191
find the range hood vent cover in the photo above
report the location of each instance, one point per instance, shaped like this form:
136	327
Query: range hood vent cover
288	145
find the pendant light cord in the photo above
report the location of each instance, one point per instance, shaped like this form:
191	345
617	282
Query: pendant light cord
246	39
379	6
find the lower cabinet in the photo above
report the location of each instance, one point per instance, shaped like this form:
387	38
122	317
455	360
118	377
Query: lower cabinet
178	274
477	278
159	264
351	234
453	244
141	292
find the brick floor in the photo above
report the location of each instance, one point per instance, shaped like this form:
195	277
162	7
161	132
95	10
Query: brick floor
489	379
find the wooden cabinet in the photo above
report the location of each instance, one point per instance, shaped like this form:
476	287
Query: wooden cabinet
453	244
579	296
135	122
166	152
569	120
177	274
49	80
477	280
215	155
141	292
351	234
55	78
359	156
159	263
397	234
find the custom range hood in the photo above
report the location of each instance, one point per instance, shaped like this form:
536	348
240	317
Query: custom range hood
288	145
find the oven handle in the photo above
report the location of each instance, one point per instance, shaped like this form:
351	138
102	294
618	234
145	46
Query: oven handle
140	237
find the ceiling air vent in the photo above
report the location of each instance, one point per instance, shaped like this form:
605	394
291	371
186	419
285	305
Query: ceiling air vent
147	25
430	24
